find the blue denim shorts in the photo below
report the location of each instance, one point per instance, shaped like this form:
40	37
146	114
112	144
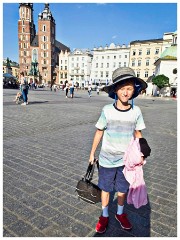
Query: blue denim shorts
112	179
71	90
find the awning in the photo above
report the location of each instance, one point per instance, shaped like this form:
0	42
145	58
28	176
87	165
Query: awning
7	75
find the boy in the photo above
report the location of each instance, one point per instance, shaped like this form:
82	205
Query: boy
117	124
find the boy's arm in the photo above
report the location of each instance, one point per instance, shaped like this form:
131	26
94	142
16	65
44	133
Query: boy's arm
97	138
138	134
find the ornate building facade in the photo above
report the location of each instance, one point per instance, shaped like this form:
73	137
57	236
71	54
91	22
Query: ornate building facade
38	52
106	60
143	54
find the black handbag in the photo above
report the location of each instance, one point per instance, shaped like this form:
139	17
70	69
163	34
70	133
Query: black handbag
88	191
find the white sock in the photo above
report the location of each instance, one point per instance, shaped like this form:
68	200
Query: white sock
105	211
120	209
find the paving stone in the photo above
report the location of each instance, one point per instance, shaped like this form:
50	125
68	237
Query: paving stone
8	218
40	222
35	233
24	212
86	218
80	230
6	233
64	221
72	200
32	202
160	228
54	231
58	193
54	202
48	211
41	196
20	228
45	187
67	209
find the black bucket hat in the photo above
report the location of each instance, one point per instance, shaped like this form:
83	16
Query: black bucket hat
121	75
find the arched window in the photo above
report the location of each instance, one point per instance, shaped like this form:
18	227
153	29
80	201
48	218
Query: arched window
175	71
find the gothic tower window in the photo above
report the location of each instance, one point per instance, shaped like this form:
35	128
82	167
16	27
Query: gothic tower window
44	28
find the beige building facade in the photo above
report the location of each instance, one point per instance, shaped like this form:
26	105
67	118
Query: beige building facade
63	67
144	53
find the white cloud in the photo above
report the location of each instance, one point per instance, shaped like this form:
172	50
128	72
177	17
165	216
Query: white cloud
113	37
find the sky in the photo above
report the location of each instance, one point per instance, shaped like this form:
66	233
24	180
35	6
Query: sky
87	25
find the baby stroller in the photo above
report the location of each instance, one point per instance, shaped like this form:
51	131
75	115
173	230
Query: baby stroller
19	99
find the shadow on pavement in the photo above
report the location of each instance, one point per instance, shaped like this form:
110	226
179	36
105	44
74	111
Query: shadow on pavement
37	102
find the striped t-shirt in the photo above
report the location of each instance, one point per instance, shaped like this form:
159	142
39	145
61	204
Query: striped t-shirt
118	126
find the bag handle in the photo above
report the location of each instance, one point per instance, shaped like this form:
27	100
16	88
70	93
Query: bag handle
90	170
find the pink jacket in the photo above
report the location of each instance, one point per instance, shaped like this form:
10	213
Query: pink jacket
133	173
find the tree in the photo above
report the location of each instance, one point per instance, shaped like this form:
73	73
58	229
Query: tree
161	81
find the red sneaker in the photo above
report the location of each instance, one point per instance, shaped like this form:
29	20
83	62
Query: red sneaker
102	224
124	222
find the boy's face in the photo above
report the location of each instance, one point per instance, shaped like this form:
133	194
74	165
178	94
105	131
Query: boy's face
125	91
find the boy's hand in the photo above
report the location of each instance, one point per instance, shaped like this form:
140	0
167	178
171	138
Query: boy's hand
142	160
91	159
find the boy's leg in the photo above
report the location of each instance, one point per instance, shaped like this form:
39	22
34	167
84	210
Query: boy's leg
105	203
104	218
121	199
120	216
121	186
105	182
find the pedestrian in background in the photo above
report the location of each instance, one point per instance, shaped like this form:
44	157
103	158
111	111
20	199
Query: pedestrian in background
66	88
118	123
89	90
97	90
71	88
24	89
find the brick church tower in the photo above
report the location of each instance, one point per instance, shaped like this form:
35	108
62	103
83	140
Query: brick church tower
26	33
38	52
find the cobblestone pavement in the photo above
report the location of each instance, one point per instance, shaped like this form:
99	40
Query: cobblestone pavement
46	146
